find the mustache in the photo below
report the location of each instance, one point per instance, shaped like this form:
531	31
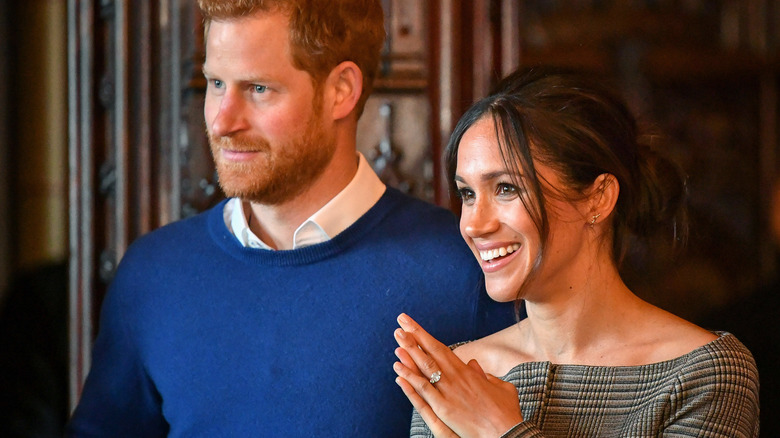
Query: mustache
238	143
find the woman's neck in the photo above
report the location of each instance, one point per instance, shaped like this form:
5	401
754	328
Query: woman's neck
581	324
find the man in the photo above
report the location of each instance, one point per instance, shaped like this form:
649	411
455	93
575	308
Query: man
269	314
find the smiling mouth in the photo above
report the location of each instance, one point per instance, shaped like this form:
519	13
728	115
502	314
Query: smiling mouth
239	151
498	252
238	155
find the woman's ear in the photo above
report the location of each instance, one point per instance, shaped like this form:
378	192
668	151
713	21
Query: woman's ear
602	197
345	82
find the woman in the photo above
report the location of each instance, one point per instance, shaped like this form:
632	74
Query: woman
553	184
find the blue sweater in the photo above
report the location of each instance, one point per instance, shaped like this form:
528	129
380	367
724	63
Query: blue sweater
200	336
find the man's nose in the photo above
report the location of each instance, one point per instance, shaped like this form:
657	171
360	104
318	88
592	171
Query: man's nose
230	116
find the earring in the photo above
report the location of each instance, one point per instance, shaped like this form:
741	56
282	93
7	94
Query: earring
593	219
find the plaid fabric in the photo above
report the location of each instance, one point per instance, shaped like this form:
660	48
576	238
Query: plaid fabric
709	392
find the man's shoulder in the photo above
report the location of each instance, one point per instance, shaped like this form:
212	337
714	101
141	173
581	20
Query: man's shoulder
177	235
407	207
417	229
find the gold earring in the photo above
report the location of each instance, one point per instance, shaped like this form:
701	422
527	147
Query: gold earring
593	219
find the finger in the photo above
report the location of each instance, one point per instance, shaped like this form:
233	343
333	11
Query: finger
411	326
418	402
423	363
500	382
407	360
405	340
506	386
438	428
423	338
476	367
420	384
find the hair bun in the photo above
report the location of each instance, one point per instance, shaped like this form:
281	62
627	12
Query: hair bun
661	196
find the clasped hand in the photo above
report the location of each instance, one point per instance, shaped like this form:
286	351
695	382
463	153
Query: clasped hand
465	401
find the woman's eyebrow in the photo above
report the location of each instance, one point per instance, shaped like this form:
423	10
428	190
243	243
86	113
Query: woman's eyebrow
489	176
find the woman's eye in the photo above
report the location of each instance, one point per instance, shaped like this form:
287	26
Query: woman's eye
465	194
506	189
217	83
259	88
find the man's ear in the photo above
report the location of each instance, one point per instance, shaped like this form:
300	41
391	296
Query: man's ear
602	197
345	81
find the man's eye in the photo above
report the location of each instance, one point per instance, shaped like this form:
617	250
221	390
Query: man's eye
217	83
259	88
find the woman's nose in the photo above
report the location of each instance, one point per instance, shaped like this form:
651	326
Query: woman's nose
479	219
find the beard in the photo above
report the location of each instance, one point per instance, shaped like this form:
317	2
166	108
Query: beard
281	171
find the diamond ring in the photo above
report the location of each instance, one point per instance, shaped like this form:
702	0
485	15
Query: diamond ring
435	377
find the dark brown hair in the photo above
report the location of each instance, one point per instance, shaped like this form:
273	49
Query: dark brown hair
581	129
323	34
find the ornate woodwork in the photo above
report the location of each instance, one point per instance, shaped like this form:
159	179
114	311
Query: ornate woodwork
138	154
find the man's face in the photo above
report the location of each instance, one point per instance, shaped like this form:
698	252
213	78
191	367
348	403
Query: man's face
263	116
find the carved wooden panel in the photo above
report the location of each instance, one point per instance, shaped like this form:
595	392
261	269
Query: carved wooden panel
138	154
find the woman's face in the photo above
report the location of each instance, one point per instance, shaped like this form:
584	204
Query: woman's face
498	228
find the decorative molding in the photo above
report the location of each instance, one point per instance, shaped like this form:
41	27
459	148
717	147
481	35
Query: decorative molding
385	158
404	66
81	214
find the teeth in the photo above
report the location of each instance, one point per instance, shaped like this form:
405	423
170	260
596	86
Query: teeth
490	254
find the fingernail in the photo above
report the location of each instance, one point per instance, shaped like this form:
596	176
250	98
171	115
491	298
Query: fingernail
402	318
400	334
397	367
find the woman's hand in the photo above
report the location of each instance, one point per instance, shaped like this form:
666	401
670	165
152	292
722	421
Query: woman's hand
463	400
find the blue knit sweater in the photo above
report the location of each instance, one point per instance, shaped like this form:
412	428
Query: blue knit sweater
200	336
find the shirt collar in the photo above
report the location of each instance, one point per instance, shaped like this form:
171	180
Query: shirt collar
337	215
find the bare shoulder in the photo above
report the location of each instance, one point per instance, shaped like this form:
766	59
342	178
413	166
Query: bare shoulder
497	353
667	336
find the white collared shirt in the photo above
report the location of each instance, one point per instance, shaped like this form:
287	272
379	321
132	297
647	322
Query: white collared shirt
337	215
